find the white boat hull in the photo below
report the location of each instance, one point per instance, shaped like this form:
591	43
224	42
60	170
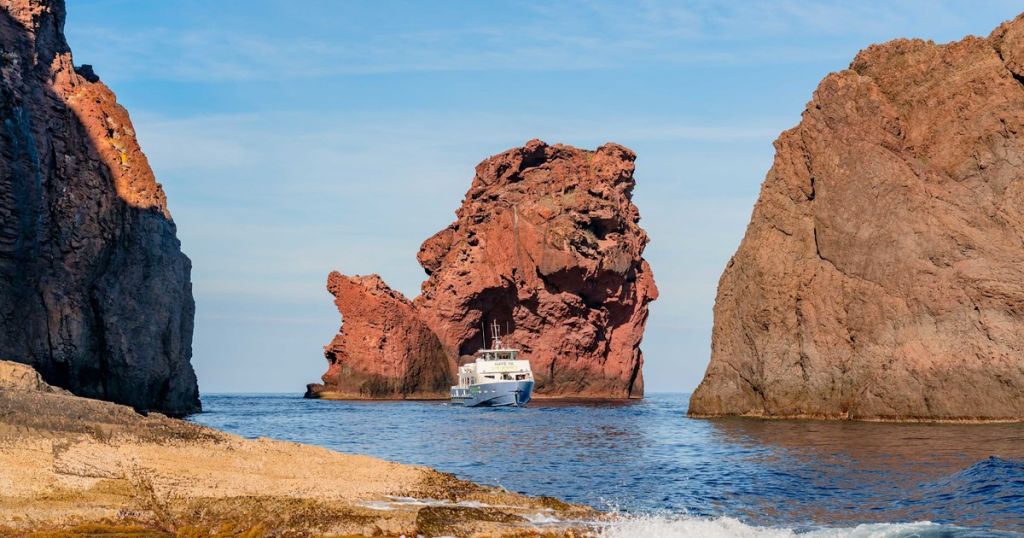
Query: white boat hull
496	394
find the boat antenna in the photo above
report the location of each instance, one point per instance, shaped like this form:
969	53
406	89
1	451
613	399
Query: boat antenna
483	332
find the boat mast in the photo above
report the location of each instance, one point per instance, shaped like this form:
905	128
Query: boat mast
495	335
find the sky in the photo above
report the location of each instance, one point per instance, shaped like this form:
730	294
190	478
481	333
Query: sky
298	138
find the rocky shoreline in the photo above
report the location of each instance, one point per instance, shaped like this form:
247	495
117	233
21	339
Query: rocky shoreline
75	467
880	420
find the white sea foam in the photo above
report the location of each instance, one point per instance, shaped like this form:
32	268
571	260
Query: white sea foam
395	502
378	505
649	526
541	518
725	527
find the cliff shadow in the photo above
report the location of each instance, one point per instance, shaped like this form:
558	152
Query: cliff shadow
94	290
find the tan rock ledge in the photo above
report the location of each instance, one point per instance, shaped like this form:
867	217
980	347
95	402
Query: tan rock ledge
76	466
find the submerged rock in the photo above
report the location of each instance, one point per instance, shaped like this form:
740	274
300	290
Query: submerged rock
94	290
547	243
882	274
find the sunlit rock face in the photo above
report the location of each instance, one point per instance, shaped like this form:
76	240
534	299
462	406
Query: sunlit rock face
547	244
95	292
882	273
383	349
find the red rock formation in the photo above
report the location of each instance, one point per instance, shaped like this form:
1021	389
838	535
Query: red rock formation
882	273
383	349
94	289
547	243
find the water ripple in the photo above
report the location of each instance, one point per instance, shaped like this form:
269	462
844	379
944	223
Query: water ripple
647	459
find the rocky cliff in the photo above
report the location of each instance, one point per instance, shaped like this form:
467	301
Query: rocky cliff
882	274
94	289
546	243
383	349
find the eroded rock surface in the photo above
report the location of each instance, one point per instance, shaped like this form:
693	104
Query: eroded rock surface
15	376
94	290
882	274
547	243
71	466
383	349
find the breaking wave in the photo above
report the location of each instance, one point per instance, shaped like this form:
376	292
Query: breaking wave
725	527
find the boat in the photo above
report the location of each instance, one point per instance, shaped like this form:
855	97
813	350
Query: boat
496	378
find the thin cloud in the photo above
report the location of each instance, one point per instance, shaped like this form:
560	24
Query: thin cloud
580	35
228	141
236	318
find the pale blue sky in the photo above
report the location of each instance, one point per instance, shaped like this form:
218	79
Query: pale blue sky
294	138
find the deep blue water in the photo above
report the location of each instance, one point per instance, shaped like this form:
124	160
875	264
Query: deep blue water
647	458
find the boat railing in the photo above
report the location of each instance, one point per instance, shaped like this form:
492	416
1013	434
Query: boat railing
500	355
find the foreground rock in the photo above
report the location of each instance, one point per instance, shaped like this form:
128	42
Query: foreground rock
882	274
90	467
547	243
94	289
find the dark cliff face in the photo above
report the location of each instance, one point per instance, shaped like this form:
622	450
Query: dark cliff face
94	290
882	274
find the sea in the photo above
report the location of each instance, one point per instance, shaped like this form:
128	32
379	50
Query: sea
669	476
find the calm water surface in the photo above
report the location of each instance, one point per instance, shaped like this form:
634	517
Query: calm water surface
647	458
